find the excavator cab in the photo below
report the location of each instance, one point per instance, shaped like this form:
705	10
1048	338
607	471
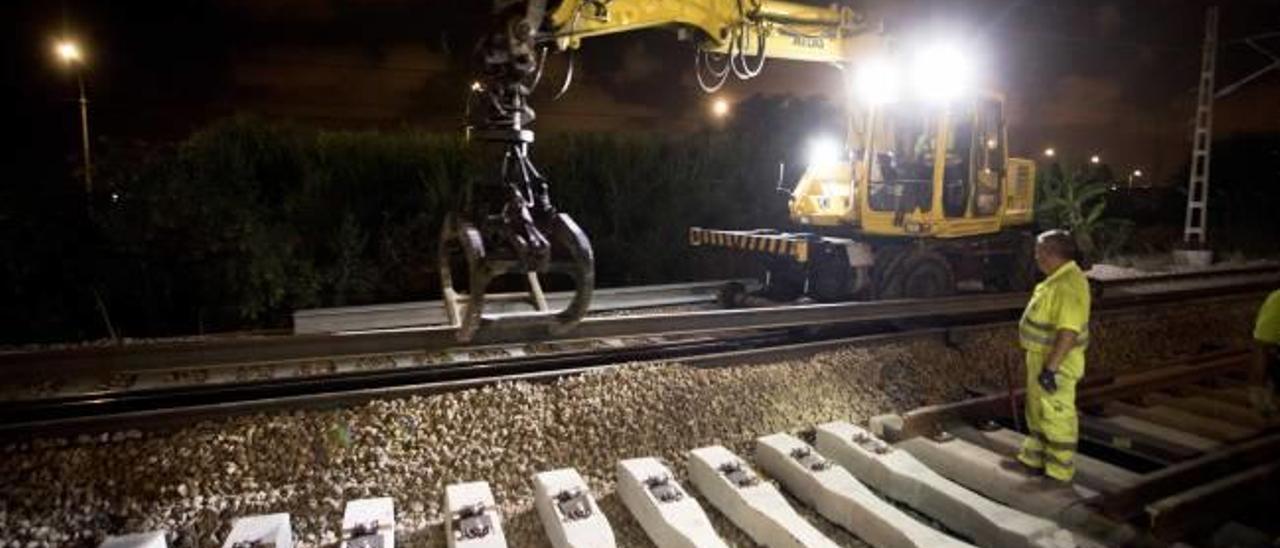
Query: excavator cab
920	170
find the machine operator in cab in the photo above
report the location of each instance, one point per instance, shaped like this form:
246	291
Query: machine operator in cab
1054	332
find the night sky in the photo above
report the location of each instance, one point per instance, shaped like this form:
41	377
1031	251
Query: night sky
1115	78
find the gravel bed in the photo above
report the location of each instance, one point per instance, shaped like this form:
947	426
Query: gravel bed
194	480
1160	265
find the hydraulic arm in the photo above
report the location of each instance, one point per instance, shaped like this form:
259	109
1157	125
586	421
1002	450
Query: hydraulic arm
508	224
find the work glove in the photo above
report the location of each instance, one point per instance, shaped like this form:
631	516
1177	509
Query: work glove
1048	381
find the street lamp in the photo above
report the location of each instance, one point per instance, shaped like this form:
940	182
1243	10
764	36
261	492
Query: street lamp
1049	152
1135	174
69	53
1095	159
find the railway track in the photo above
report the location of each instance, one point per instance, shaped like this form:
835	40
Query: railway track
1167	455
882	482
102	361
711	337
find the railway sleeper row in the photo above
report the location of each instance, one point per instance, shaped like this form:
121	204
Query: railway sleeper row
1157	467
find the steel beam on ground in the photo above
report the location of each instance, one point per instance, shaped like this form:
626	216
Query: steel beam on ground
1186	421
933	419
1095	474
1131	442
1175	516
1235	414
1188	474
1144	439
426	313
1229	396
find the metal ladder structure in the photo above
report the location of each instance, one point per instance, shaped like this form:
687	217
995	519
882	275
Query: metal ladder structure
1194	231
1197	223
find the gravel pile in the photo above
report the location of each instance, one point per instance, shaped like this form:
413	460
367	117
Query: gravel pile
194	480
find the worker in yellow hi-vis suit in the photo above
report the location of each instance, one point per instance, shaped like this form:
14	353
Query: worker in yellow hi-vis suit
1266	371
1054	331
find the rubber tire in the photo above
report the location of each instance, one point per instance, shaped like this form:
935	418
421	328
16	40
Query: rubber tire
889	261
926	276
830	279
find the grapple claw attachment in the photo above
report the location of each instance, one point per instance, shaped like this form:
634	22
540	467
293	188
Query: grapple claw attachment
462	243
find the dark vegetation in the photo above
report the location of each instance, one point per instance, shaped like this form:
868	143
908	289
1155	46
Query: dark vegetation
1111	217
246	220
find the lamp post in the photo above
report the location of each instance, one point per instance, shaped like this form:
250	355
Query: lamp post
1135	174
1049	152
69	52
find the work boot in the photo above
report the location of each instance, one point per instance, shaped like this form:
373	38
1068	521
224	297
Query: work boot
1020	468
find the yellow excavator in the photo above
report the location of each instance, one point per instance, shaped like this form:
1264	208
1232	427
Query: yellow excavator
917	193
924	201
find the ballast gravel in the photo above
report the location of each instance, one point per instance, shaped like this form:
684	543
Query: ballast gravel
193	480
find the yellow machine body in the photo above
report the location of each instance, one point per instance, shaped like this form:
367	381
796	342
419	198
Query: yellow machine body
963	182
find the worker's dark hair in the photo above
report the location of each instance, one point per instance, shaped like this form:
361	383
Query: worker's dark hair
1060	243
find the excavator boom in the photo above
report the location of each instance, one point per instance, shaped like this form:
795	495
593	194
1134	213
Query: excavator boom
508	225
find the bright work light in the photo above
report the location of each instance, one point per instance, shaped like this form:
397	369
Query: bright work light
876	82
68	51
823	152
941	73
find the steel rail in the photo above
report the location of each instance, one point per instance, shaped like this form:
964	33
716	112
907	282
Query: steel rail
160	408
427	313
189	355
74	413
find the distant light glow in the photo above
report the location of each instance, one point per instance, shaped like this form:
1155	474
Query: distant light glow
720	107
68	51
876	82
1137	173
477	86
942	73
1095	159
823	152
1049	152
